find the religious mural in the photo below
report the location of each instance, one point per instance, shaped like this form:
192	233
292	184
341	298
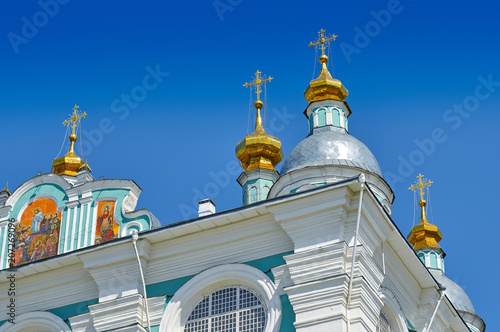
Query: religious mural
107	229
37	233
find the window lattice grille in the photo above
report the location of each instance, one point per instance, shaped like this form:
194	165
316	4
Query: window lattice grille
383	323
230	309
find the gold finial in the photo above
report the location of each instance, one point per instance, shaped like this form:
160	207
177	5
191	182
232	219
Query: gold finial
259	150
322	40
325	86
74	119
70	163
420	186
258	81
424	234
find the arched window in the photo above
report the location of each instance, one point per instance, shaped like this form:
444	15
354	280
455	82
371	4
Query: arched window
321	117
383	325
253	195
434	261
229	309
336	117
231	297
265	192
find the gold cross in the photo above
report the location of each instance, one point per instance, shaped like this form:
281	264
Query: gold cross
323	40
419	185
258	81
74	119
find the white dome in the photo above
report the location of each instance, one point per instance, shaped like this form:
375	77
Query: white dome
331	146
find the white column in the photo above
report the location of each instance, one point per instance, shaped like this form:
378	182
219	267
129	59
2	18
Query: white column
329	119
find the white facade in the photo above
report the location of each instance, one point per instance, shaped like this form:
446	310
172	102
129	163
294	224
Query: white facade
294	252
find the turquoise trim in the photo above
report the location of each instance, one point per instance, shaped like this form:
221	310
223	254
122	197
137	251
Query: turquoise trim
287	315
74	309
70	310
411	328
120	195
380	198
169	287
155	328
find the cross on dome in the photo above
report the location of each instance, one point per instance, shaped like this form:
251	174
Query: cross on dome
258	81
420	186
322	40
75	118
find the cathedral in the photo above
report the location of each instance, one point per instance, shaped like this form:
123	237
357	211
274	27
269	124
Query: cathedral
312	248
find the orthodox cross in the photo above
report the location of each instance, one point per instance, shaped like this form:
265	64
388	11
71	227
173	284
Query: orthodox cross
75	118
420	185
258	81
322	40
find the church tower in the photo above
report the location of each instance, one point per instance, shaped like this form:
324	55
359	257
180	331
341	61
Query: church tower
424	238
329	154
258	153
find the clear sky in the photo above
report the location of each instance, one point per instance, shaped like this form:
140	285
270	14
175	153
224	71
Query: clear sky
161	82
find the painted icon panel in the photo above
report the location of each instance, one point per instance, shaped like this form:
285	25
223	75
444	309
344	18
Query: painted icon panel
37	233
106	229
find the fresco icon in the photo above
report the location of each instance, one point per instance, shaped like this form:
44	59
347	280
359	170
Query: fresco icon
37	233
106	229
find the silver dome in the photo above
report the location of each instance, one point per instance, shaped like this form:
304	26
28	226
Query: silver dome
330	146
455	293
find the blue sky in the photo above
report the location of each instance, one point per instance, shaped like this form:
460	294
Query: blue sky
417	73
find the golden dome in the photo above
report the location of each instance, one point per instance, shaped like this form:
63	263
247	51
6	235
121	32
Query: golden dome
325	86
70	163
425	234
258	149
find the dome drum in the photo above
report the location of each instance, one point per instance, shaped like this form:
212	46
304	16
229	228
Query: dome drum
327	113
311	177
